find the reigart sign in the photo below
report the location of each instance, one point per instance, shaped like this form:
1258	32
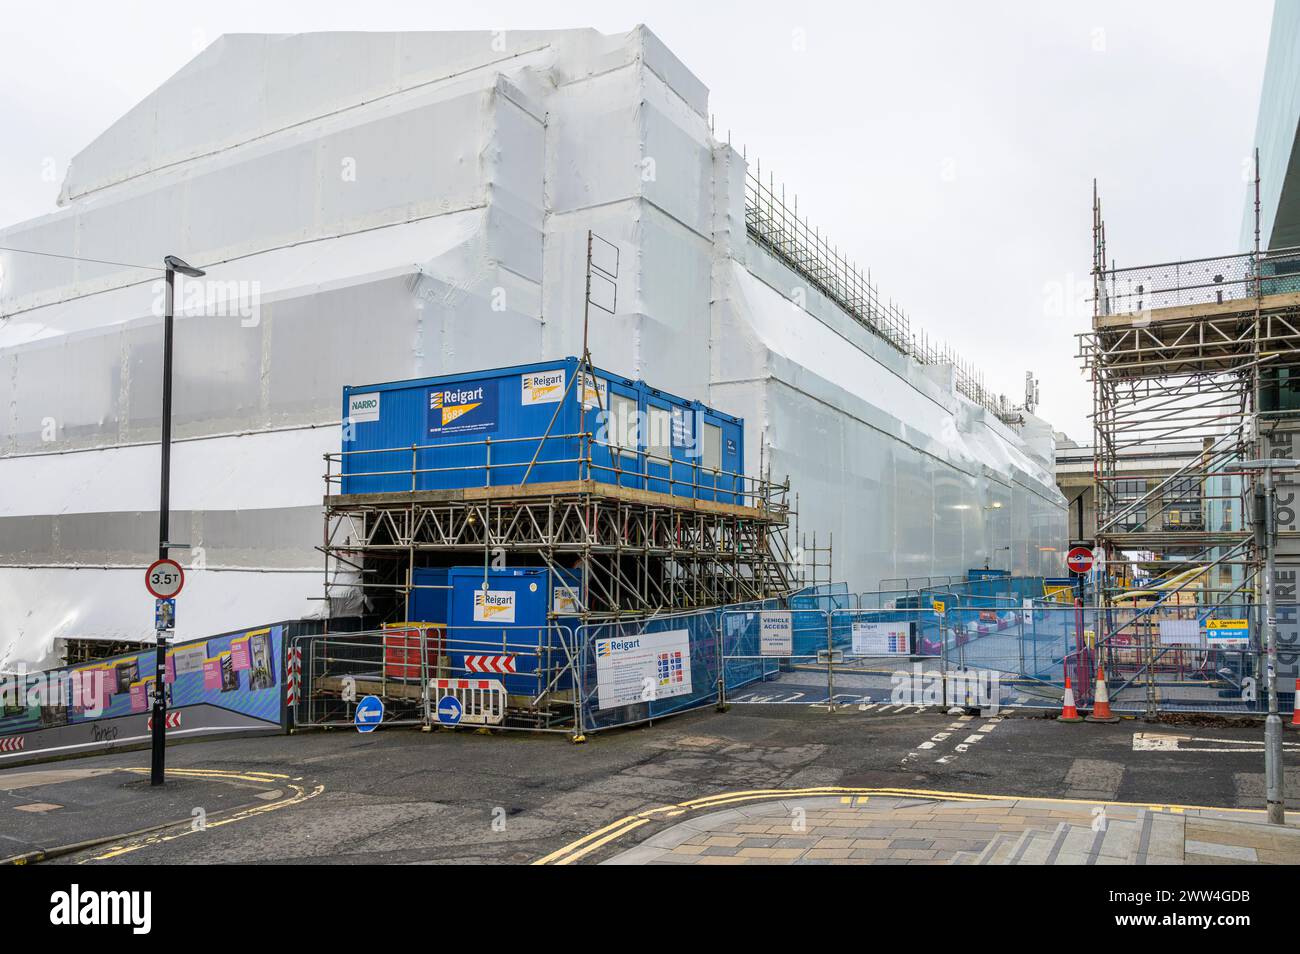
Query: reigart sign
881	639
464	408
642	668
494	606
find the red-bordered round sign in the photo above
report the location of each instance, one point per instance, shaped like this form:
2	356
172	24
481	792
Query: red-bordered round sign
1079	560
164	579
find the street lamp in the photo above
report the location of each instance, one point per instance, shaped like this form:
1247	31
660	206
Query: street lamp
159	732
1264	534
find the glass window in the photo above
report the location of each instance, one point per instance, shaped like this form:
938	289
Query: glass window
659	422
622	422
711	447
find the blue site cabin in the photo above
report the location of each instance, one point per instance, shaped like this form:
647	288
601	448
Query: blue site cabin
511	616
485	428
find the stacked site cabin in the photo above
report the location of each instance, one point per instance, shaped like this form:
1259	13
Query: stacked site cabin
527	431
542	423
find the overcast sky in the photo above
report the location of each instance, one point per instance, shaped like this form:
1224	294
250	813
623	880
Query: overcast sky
948	146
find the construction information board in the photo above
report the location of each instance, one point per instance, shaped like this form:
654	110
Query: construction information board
881	639
1227	632
650	666
775	634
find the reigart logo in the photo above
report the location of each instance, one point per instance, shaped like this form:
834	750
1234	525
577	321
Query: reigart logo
543	387
455	402
607	647
494	606
76	907
463	408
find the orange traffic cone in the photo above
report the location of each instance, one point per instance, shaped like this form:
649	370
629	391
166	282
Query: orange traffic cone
1295	707
1068	712
1101	703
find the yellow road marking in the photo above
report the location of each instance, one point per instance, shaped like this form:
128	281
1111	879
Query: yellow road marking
300	794
212	773
569	859
616	829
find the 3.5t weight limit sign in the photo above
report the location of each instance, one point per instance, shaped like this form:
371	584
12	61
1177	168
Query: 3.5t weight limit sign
164	579
1079	560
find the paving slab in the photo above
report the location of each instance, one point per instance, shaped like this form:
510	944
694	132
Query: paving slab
867	830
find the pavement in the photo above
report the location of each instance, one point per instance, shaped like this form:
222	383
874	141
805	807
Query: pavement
894	830
48	811
402	796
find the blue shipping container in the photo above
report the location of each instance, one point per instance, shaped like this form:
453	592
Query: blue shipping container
487	429
507	618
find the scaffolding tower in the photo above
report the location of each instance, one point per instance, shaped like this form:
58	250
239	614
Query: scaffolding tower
1191	361
640	552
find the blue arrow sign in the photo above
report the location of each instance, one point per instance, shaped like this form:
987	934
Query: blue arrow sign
370	712
449	710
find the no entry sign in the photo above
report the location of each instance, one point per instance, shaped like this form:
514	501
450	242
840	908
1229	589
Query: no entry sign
1079	560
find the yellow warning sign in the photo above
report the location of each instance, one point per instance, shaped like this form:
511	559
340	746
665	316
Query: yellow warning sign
939	606
1226	624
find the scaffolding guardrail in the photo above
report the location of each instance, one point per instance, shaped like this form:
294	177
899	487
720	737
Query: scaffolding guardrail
634	466
776	226
1217	280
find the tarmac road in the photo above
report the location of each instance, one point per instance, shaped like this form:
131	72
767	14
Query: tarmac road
401	796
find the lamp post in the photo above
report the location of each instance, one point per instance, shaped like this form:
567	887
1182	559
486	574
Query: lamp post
1265	535
159	733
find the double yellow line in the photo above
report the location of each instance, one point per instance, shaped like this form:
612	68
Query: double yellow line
298	794
585	845
617	829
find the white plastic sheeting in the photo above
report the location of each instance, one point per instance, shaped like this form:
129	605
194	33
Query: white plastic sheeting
383	206
107	603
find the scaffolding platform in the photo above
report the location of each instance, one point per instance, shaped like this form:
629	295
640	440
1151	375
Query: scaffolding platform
1195	360
518	493
640	551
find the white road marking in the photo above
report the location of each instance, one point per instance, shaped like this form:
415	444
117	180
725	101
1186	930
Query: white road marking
1167	742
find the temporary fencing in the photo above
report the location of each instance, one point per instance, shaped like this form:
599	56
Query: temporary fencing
990	645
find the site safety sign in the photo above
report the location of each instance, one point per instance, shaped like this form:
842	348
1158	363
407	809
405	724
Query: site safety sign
775	633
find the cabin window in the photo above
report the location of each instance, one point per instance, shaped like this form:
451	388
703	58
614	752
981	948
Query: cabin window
711	447
659	422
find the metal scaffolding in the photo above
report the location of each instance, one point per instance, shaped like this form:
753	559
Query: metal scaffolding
640	552
774	223
1200	353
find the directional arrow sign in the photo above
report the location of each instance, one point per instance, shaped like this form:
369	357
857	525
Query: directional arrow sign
370	712
449	710
500	665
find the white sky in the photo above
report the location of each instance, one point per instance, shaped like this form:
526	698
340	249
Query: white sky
948	146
